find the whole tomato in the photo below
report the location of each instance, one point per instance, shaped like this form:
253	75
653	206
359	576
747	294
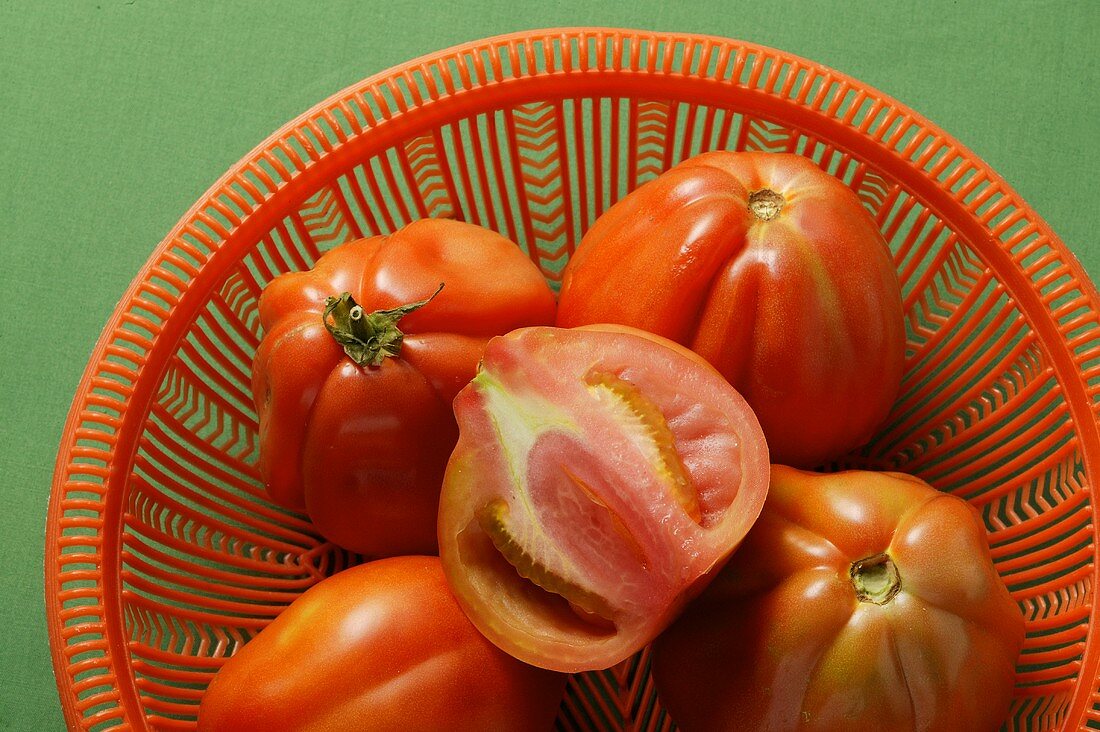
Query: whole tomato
858	601
601	474
381	646
354	378
770	269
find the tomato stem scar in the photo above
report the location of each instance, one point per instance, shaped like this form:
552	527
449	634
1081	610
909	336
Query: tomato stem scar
766	204
368	338
875	579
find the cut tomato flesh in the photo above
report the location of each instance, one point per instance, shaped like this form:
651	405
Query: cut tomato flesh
655	441
493	519
599	476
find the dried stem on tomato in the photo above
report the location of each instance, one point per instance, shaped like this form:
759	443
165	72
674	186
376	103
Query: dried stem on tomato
766	204
876	579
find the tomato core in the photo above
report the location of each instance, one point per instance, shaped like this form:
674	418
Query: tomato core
876	579
766	204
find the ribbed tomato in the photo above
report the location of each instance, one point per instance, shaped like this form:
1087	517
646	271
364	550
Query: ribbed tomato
770	269
600	475
379	647
859	601
355	406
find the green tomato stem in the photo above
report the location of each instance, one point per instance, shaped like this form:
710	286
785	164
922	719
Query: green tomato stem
368	338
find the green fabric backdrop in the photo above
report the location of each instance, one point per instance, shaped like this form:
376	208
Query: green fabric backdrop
115	115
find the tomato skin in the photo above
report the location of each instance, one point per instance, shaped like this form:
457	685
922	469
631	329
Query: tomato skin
601	475
781	641
380	646
801	313
362	448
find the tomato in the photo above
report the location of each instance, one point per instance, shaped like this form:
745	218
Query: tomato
859	601
600	475
381	646
771	270
355	406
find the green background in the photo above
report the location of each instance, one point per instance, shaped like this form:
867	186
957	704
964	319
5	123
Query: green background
116	115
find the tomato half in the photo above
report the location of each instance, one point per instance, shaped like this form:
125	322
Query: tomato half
600	475
770	269
859	601
354	405
381	646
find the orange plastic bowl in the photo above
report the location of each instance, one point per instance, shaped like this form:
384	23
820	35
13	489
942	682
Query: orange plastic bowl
162	554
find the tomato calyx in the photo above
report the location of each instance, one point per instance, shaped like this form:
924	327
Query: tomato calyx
368	338
875	579
766	204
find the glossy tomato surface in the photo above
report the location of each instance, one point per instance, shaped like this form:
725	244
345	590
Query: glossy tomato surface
770	269
600	475
379	647
355	405
859	601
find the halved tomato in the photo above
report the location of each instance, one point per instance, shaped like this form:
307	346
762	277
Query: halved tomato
600	475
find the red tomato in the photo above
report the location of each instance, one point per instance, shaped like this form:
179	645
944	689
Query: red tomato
600	475
859	601
355	412
771	270
381	646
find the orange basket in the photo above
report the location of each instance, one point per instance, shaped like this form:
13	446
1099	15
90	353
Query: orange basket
163	555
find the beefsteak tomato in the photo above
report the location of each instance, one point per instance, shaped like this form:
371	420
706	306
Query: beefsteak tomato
600	475
858	601
355	411
381	646
770	269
